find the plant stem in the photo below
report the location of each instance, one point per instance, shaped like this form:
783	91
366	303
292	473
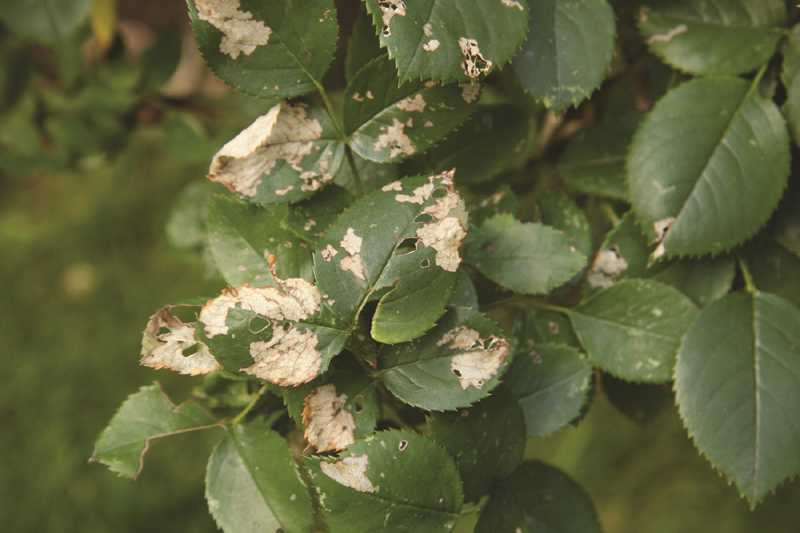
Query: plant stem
250	406
610	214
359	185
527	301
326	101
757	80
749	283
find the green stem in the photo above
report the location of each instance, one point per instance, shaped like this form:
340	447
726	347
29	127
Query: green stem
326	101
250	406
749	283
527	301
359	185
757	80
609	212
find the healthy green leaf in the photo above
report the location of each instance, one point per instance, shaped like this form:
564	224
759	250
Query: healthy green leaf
242	237
387	123
775	270
486	441
703	280
538	498
634	328
526	258
455	365
45	20
405	236
790	76
562	213
568	51
145	416
693	161
284	156
551	382
448	39
267	49
253	484
368	487
362	47
714	37
737	384
186	227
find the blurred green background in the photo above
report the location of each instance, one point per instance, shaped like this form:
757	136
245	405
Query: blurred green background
100	131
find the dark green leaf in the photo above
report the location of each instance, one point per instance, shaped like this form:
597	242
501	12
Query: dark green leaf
703	280
387	123
44	20
449	39
622	255
453	366
568	51
145	416
791	80
526	258
362	47
538	498
714	37
486	441
775	270
633	329
737	384
562	213
693	160
369	487
253	484
267	49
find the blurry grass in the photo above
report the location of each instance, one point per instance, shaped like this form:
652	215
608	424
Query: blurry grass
84	262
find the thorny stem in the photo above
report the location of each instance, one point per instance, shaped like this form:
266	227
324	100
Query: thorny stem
250	406
359	185
748	276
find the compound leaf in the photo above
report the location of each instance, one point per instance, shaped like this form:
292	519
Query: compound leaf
737	384
708	166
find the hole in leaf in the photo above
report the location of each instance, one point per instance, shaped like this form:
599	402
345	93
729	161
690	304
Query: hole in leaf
403	445
406	247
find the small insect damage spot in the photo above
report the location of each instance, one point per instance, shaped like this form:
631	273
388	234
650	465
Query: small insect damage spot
350	472
403	445
432	45
661	228
290	357
480	358
328	253
393	186
474	64
412	104
419	196
329	426
470	91
668	36
353	263
241	33
390	8
447	230
513	4
608	265
285	134
394	139
167	341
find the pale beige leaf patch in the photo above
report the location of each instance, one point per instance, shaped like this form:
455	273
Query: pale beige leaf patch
352	262
241	33
350	472
448	228
165	341
479	359
329	426
607	267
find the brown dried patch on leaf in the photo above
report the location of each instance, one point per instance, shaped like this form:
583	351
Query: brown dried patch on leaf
393	186
241	33
474	63
394	139
661	227
390	8
607	267
667	37
329	426
350	472
328	253
166	341
352	262
286	133
412	104
290	358
480	358
470	91
513	4
448	229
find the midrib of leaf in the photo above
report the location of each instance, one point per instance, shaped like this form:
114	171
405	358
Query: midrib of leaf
717	24
165	434
399	503
551	386
622	325
250	470
419	40
757	398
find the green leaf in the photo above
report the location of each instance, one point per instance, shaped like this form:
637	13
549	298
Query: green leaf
708	38
633	329
387	123
241	238
790	75
253	484
145	416
488	144
568	52
267	49
369	487
45	20
284	156
404	236
737	384
692	164
455	365
623	254
448	39
464	294
787	221
551	382
538	498
775	270
311	218
486	441
526	258
186	226
562	213
362	47
703	280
